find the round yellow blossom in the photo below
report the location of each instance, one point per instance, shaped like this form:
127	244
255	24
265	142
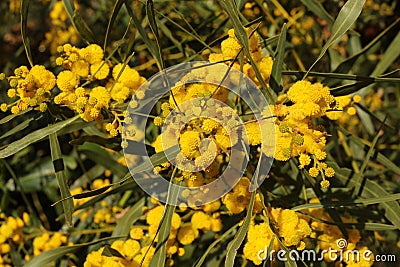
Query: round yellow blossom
66	81
187	235
80	68
357	98
208	125
313	172
154	217
351	111
189	142
92	53
201	221
15	110
325	184
3	107
128	77
304	160
136	233
230	48
101	95
43	107
158	121
329	172
253	133
100	70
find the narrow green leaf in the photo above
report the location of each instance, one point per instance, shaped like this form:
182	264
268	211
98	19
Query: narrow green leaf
130	217
53	255
154	50
12	116
345	19
359	176
318	9
275	80
102	157
68	205
369	201
346	65
378	227
379	157
164	229
31	138
25	39
390	56
156	159
78	23
91	193
348	89
373	190
154	28
22	125
117	7
237	241
82	28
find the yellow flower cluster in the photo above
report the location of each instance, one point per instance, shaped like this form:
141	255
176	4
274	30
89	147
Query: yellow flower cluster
327	235
210	158
131	251
106	214
231	47
296	132
32	88
61	31
135	249
89	66
238	199
290	227
47	241
10	232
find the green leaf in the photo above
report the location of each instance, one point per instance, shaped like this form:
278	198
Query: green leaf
318	9
55	254
117	7
154	28
390	56
130	217
237	241
154	50
372	190
68	205
369	201
12	116
31	138
275	80
102	157
346	65
359	177
22	125
379	157
345	19
25	39
78	23
82	28
164	228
